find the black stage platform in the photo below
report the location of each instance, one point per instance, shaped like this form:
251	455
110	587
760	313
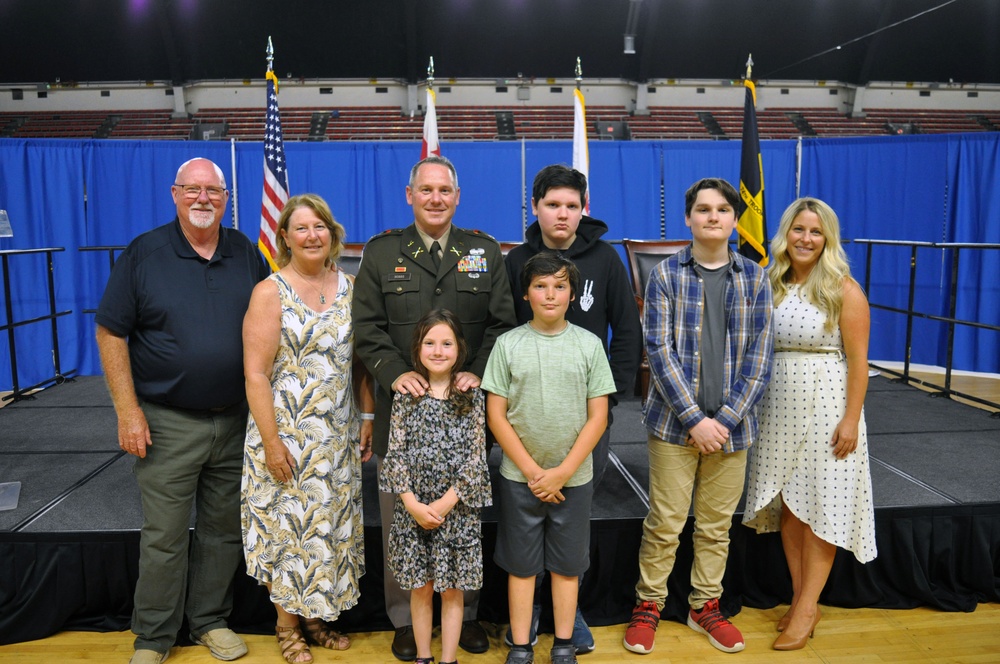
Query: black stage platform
69	549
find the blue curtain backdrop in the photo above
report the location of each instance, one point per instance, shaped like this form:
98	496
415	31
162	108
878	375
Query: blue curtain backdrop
888	189
42	190
972	211
928	188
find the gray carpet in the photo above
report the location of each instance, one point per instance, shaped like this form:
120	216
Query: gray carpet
47	477
62	447
112	496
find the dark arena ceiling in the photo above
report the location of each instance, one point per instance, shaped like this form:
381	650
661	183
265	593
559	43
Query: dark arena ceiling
853	41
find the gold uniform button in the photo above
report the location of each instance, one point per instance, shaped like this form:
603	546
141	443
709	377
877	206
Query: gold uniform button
399	289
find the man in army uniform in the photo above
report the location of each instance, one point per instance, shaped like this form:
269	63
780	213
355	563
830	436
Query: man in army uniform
405	273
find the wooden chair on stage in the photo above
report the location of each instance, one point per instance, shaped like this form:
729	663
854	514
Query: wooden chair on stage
643	256
505	247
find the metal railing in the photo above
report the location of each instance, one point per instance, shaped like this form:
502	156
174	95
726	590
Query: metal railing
911	315
59	376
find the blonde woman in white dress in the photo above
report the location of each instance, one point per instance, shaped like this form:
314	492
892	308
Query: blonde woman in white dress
809	475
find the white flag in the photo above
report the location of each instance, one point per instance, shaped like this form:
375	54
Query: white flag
581	156
430	143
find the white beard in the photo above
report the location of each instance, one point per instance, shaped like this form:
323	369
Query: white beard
201	218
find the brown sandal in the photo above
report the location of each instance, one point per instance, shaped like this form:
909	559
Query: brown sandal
293	644
318	633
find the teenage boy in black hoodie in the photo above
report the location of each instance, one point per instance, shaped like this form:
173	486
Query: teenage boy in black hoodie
605	301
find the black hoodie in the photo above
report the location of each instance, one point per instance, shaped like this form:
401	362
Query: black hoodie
604	299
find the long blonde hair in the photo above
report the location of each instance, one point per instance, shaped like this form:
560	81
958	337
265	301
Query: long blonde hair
824	287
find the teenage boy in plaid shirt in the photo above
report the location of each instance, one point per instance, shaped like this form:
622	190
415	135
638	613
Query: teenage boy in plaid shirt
707	322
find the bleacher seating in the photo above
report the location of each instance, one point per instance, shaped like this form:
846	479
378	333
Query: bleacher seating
928	122
478	123
65	124
151	125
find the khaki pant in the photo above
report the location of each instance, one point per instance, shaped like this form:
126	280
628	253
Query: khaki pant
195	458
717	482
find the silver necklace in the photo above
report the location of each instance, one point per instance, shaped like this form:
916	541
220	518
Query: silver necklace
320	291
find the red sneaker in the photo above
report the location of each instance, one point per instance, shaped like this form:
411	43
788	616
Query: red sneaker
721	633
641	630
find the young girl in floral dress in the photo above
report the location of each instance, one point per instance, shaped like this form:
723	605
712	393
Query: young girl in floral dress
436	464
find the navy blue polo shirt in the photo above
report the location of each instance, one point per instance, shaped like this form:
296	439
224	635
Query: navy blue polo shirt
183	315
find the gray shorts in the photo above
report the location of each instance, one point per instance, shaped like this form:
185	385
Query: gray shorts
533	536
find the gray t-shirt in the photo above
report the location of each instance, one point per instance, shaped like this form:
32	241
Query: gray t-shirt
713	338
547	380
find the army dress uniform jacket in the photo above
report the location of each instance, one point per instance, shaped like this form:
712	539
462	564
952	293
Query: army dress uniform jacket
397	284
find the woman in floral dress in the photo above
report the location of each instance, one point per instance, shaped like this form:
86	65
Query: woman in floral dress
302	526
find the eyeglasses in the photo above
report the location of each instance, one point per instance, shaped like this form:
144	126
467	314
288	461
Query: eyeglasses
193	191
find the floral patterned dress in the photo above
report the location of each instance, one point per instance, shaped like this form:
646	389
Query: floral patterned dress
306	537
431	449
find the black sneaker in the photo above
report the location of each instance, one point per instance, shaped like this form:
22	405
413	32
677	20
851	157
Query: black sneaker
520	657
563	654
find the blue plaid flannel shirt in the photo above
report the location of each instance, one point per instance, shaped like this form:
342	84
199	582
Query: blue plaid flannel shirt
672	320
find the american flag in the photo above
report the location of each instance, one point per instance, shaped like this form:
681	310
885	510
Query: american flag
275	175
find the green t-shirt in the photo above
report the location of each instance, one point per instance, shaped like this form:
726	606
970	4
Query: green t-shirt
547	380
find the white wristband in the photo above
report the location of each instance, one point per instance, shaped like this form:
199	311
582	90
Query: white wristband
367	416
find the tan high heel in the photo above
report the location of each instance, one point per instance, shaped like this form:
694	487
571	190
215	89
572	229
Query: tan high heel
783	622
787	642
787	618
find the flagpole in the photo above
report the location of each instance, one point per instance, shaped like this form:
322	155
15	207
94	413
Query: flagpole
524	191
269	52
581	154
233	185
429	144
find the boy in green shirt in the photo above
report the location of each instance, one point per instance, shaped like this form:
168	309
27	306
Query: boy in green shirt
548	383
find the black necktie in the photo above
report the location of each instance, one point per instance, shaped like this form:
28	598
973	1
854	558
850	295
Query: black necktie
435	257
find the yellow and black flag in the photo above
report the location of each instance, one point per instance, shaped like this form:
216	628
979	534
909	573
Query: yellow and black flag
752	226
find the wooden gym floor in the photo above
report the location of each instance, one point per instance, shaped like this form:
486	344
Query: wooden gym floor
844	635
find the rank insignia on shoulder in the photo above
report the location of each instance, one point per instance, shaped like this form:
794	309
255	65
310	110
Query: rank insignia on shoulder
482	234
388	231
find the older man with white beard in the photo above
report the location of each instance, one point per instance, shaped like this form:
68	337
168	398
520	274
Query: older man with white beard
169	333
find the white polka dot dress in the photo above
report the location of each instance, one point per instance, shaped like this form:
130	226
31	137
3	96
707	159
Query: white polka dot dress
793	456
